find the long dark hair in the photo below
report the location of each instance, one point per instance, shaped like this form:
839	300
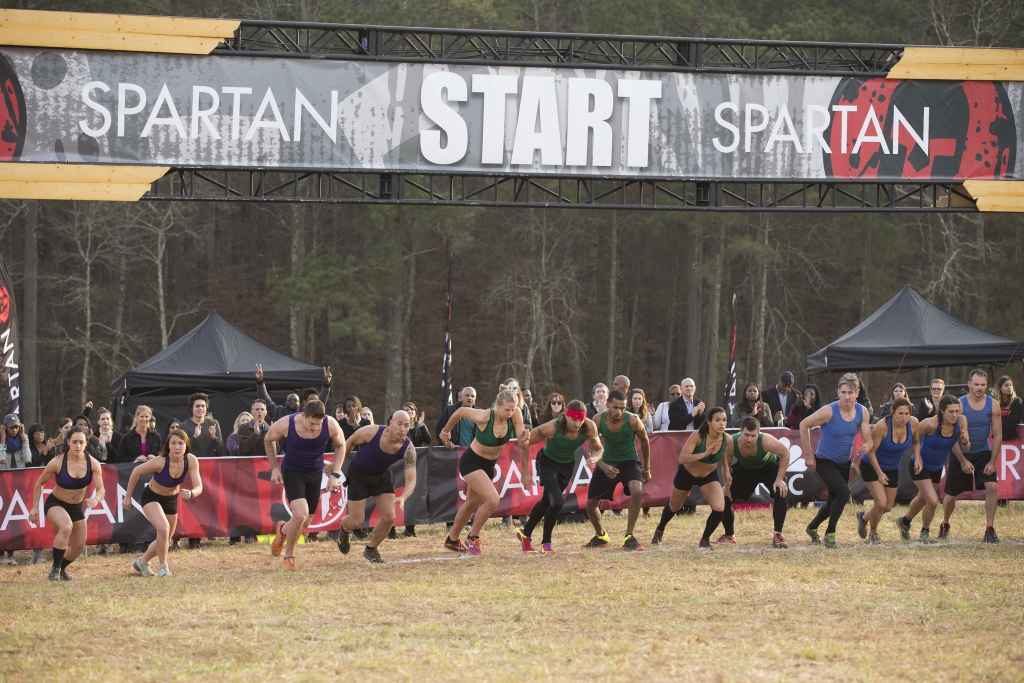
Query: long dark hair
705	428
577	405
645	410
546	415
744	403
946	401
165	450
817	396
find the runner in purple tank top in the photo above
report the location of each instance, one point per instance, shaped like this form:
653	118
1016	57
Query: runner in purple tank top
302	469
369	476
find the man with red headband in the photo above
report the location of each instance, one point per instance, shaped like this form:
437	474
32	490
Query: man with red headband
556	463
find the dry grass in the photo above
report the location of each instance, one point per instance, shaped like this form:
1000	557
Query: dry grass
946	612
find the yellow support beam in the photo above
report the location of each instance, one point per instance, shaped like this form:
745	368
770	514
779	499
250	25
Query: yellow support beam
84	31
997	195
77	181
960	64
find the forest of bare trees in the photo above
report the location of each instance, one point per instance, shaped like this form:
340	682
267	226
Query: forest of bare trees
560	299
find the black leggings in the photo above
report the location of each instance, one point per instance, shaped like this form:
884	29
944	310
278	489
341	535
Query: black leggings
836	477
554	477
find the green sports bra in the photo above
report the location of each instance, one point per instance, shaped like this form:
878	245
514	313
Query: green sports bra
714	457
486	436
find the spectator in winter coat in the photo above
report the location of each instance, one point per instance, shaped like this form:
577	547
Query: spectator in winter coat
108	438
204	432
751	405
43	449
141	443
232	442
292	403
928	407
661	414
419	434
250	434
1009	406
898	391
351	419
554	409
779	399
14	448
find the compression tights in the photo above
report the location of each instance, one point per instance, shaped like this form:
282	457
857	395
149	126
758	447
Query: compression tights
548	506
838	495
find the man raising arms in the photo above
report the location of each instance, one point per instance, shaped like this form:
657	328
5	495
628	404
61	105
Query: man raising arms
369	475
306	436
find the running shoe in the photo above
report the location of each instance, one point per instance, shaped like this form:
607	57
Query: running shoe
37	556
904	525
393	535
943	531
372	555
659	534
524	541
873	539
924	536
726	538
705	543
277	545
631	544
54	574
546	549
830	541
862	525
313	537
290	564
779	542
344	542
410	532
455	546
990	535
473	546
598	541
64	576
7	560
506	522
142	567
164	571
813	533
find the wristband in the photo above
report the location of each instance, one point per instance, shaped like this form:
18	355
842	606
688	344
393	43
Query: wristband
336	475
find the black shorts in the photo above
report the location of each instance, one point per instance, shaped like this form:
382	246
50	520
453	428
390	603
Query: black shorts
303	485
957	481
925	473
169	504
559	472
362	484
74	510
603	488
745	482
471	462
868	474
684	481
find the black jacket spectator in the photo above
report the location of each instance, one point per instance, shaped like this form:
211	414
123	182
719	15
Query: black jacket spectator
420	436
456	430
348	430
1011	418
772	397
250	441
131	445
679	418
592	410
204	446
923	412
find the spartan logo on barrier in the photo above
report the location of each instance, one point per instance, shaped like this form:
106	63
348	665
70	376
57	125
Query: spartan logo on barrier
5	305
969	131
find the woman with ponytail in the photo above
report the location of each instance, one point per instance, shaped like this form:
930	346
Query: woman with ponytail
494	428
698	466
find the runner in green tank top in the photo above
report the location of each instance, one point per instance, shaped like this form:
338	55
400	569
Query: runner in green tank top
698	466
555	466
759	459
619	464
495	427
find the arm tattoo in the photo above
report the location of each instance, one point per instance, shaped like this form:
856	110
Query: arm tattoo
410	457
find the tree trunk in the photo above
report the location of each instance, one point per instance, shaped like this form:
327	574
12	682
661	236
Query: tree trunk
410	295
694	282
714	304
87	332
30	318
161	300
393	361
296	319
673	306
612	300
122	293
760	304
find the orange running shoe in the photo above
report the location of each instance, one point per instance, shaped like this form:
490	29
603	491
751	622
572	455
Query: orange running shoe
277	545
289	563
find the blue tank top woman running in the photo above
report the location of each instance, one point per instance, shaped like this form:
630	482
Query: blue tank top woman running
935	448
889	453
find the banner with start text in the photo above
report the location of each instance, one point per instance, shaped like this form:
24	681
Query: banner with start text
239	499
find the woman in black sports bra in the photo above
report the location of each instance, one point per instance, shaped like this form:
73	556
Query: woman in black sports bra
65	507
494	428
159	501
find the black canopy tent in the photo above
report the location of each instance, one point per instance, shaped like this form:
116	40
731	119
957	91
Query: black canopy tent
910	332
218	359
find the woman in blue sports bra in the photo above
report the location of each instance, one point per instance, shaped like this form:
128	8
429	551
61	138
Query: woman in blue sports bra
880	467
840	422
494	428
938	440
159	501
65	507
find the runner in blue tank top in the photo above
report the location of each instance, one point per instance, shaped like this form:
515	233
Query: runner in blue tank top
840	422
937	442
307	433
880	468
369	476
985	429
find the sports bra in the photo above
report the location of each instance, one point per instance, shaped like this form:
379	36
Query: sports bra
889	453
66	481
486	436
935	448
714	457
164	478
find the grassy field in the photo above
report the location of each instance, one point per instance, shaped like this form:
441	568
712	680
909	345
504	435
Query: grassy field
949	611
